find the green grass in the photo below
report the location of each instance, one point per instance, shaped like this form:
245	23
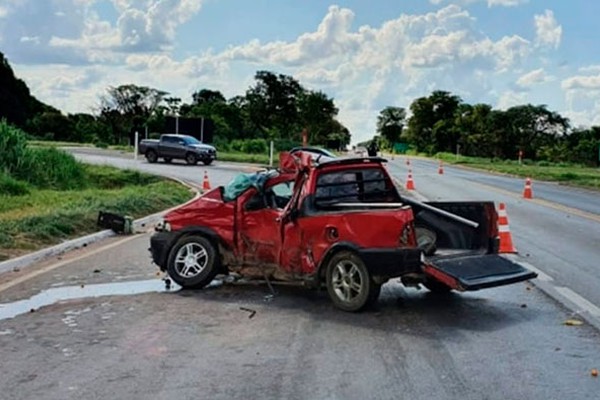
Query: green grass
48	143
565	173
46	217
246	158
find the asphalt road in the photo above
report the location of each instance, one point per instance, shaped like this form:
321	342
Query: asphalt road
558	231
232	342
99	323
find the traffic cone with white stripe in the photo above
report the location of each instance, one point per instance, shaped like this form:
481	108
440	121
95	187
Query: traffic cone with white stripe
205	182
506	243
410	185
527	192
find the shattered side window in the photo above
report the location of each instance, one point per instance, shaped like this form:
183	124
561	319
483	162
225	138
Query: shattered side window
242	182
368	185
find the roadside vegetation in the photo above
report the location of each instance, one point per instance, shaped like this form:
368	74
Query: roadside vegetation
564	172
46	196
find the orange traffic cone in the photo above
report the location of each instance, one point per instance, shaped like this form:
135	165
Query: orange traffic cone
527	192
506	243
205	182
407	161
410	185
441	168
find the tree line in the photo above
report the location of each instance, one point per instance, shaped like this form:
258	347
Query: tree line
277	107
442	122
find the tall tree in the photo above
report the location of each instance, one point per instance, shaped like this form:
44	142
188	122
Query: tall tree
390	123
129	106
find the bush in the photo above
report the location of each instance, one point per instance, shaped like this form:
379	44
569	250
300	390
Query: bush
13	145
11	186
255	146
51	168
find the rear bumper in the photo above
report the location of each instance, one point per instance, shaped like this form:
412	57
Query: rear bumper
391	262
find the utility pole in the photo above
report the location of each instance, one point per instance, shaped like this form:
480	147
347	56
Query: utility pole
202	130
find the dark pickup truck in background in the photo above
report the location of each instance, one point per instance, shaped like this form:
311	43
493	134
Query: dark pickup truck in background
173	146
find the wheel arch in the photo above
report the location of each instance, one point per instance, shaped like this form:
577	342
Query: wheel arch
332	251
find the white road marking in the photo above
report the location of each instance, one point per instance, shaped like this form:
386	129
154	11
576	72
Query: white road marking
64	262
584	304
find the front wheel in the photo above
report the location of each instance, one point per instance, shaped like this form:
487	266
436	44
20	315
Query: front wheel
151	156
193	262
207	161
349	283
191	159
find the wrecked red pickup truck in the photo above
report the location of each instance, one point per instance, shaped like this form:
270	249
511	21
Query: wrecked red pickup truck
341	224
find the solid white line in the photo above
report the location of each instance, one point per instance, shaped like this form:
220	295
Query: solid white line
48	268
584	304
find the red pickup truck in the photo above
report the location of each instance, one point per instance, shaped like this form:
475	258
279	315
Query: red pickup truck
341	225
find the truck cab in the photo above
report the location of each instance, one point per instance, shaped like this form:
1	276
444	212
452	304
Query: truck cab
340	225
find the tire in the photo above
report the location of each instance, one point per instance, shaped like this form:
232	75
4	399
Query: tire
151	156
349	283
207	162
190	159
193	262
436	286
168	160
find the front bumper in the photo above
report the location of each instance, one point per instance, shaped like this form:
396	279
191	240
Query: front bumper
391	262
160	246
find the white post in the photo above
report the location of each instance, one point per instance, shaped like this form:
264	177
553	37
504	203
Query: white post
146	132
202	130
176	123
457	151
135	151
271	155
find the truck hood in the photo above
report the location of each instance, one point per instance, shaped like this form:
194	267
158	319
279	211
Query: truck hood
203	147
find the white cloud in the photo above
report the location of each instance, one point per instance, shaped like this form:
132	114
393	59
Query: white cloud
364	68
506	3
589	69
510	99
490	3
548	31
585	82
532	78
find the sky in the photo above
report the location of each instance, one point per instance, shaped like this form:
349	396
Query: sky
365	54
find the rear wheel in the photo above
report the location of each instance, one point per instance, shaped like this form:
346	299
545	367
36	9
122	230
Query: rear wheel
349	283
193	262
151	156
191	159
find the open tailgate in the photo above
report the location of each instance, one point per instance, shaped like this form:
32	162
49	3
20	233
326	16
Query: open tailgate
474	272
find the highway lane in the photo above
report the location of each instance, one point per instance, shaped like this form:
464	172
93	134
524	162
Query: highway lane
508	343
504	343
578	198
559	235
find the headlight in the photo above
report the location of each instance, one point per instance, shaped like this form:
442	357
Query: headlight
162	226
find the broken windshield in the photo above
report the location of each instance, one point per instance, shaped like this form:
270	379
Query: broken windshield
243	182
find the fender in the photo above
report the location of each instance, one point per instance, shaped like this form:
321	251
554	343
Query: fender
339	246
161	243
